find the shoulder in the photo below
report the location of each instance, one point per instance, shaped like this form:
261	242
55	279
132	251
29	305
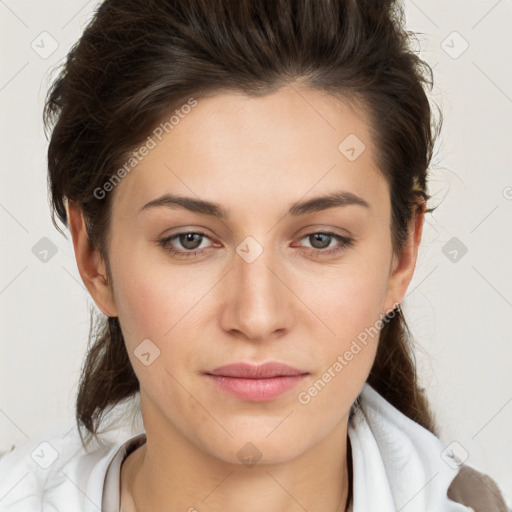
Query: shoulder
476	490
54	474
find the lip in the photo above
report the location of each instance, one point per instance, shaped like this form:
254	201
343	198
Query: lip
256	371
256	383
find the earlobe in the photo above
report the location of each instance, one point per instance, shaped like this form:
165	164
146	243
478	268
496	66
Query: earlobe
90	264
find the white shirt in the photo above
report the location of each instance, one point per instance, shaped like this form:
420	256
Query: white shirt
397	465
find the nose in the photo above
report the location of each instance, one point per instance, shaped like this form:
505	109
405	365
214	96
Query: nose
257	302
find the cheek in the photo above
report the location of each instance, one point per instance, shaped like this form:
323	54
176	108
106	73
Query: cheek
141	308
349	300
153	299
163	304
350	296
350	306
156	309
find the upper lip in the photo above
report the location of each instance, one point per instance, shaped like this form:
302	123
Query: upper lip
251	371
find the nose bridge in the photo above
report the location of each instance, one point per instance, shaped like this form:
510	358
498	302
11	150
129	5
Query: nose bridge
258	298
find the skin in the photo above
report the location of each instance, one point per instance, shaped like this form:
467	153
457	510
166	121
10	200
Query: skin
254	156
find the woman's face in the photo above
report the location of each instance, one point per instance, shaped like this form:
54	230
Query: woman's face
258	285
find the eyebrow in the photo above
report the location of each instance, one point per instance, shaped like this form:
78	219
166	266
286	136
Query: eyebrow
316	204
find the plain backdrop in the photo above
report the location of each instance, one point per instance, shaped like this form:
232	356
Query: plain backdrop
459	304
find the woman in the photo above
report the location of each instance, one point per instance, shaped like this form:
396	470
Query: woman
245	184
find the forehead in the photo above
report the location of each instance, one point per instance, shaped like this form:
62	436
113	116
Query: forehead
233	149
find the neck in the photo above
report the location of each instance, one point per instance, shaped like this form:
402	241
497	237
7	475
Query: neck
192	480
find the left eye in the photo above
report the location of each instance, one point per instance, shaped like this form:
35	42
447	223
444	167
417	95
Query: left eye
320	239
191	243
323	239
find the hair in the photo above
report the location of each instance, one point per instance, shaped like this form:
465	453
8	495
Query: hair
138	60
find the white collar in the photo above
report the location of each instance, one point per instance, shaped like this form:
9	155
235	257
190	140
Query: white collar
397	463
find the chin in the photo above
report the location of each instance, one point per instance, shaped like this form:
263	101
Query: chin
257	449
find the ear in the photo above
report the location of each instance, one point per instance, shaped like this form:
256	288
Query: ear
403	265
90	264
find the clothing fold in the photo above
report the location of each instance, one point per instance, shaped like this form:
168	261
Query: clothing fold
397	464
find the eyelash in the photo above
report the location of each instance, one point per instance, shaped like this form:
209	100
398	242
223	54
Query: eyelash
344	242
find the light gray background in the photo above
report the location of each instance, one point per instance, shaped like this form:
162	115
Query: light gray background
459	311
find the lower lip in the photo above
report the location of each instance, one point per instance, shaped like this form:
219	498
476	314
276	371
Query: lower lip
257	390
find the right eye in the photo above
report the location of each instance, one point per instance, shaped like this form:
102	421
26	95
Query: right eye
189	240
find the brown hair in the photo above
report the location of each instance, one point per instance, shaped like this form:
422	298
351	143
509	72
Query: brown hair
138	60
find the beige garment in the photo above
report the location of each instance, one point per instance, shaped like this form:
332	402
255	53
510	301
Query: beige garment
476	490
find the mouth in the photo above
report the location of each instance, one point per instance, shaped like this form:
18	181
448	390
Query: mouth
256	383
